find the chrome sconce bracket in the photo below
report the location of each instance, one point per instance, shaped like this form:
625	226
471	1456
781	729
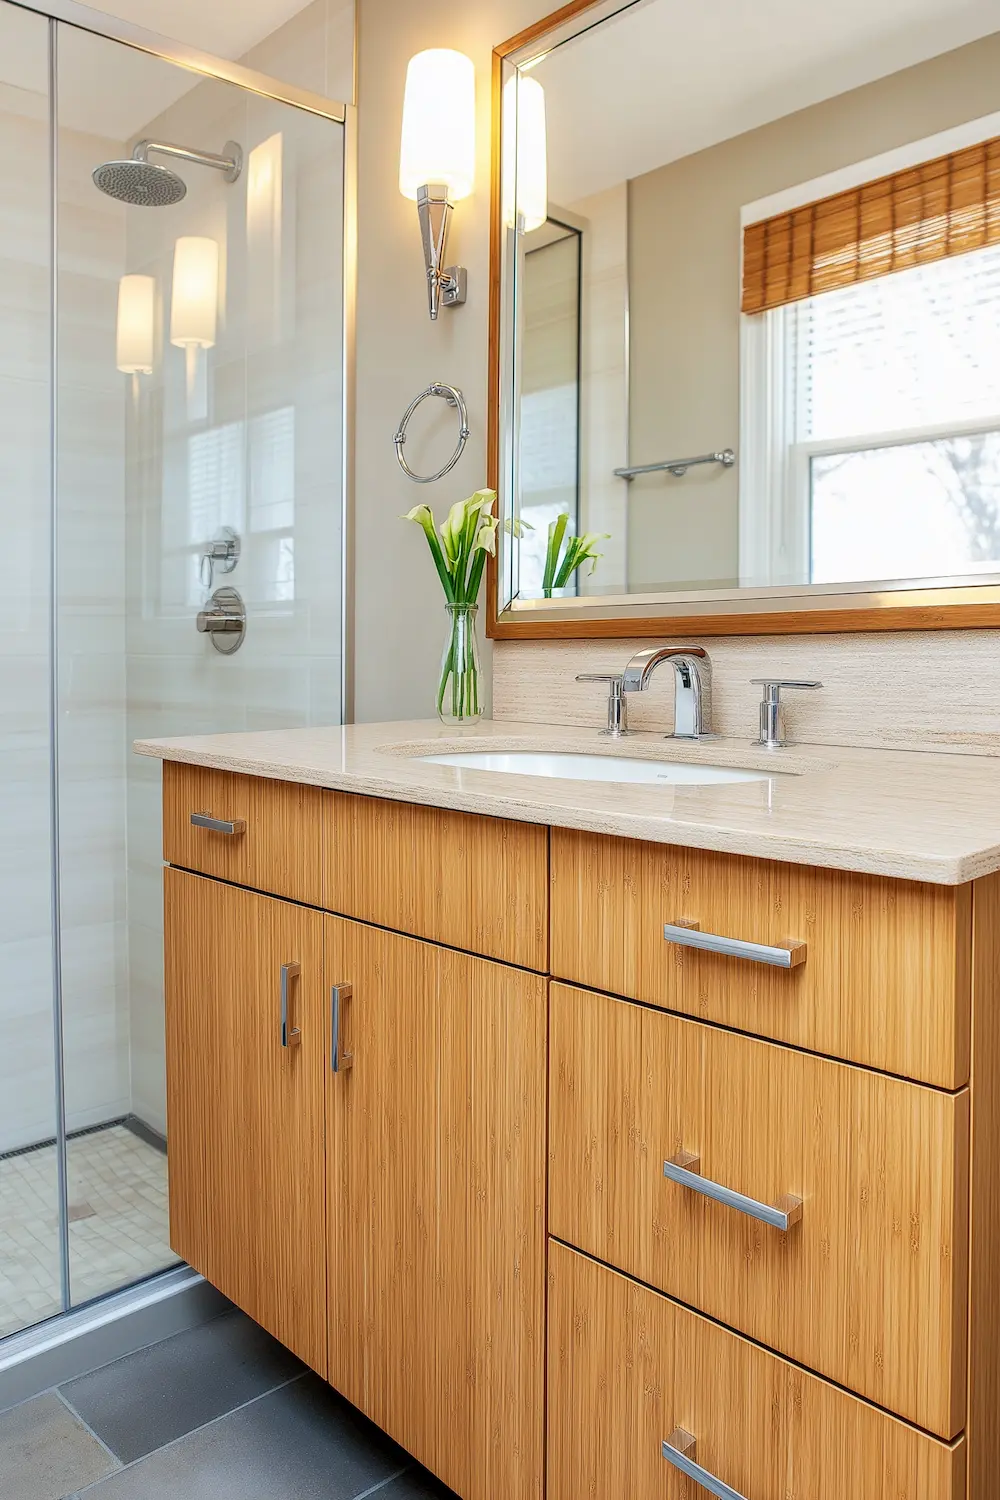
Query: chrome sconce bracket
446	285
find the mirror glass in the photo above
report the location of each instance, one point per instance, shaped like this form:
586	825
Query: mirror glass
750	319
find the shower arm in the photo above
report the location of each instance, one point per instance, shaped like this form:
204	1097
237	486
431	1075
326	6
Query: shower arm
230	165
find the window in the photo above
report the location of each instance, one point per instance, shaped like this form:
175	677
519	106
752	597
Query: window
872	428
242	474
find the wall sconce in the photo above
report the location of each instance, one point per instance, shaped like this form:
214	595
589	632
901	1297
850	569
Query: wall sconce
194	301
437	159
525	160
136	325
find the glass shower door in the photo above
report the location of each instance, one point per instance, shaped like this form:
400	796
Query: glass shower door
31	1282
198	454
171	421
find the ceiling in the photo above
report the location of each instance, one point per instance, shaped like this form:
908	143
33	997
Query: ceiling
113	91
666	78
228	28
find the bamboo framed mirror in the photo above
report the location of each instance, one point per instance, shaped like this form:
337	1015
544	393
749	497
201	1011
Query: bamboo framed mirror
745	320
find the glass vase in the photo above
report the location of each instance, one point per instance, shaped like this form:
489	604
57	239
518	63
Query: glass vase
459	699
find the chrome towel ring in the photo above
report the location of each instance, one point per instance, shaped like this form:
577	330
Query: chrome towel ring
454	397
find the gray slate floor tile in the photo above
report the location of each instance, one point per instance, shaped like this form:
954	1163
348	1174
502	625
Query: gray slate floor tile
301	1442
45	1452
147	1399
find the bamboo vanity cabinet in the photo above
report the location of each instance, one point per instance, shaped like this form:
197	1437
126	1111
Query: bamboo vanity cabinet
570	1209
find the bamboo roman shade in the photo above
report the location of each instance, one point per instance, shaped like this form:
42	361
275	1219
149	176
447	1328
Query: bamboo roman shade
944	207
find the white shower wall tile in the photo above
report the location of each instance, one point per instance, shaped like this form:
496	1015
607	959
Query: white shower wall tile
26	977
146	1021
314	50
27	1098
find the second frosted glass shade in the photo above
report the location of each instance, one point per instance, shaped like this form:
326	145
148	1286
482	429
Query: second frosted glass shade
136	325
194	304
439	124
525	156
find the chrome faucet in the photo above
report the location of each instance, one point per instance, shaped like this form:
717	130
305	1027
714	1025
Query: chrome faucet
693	700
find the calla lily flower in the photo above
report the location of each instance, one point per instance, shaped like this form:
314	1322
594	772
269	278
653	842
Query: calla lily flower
459	551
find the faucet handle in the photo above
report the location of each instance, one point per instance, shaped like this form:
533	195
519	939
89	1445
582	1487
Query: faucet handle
617	709
771	728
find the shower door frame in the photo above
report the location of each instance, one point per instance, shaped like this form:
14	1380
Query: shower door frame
18	1347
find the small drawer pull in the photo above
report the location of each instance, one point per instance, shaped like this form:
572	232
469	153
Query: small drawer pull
688	935
684	1168
219	825
679	1450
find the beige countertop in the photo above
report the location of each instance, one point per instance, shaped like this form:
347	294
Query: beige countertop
884	812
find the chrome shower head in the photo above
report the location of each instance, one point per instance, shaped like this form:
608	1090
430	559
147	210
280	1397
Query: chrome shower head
139	182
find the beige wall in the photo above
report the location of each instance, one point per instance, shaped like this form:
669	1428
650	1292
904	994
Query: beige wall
684	234
604	393
399	617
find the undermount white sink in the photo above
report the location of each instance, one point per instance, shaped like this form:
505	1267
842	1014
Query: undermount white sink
570	767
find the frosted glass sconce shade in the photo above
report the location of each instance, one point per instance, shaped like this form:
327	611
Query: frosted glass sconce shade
439	124
195	300
525	162
136	325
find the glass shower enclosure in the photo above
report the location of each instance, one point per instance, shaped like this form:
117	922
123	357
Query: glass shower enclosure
171	465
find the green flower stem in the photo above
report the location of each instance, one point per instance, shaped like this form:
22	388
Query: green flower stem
476	575
459	684
557	531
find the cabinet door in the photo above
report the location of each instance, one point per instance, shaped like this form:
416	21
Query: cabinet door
436	1160
245	1102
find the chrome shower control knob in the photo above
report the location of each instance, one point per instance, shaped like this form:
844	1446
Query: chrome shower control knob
224	619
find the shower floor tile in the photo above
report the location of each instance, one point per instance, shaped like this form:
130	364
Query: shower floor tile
117	1230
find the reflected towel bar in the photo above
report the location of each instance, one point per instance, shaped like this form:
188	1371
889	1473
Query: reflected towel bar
679	466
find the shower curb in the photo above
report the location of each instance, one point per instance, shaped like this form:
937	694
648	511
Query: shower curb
74	1343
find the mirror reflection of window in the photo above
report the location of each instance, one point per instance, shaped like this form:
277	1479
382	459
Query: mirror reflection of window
909	365
880	398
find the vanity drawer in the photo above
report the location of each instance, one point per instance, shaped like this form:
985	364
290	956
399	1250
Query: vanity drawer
884	976
476	883
868	1283
268	833
627	1368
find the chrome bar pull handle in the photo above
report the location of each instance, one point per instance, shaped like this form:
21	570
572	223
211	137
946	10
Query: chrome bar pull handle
685	1169
290	1036
689	935
679	1449
339	995
230	826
